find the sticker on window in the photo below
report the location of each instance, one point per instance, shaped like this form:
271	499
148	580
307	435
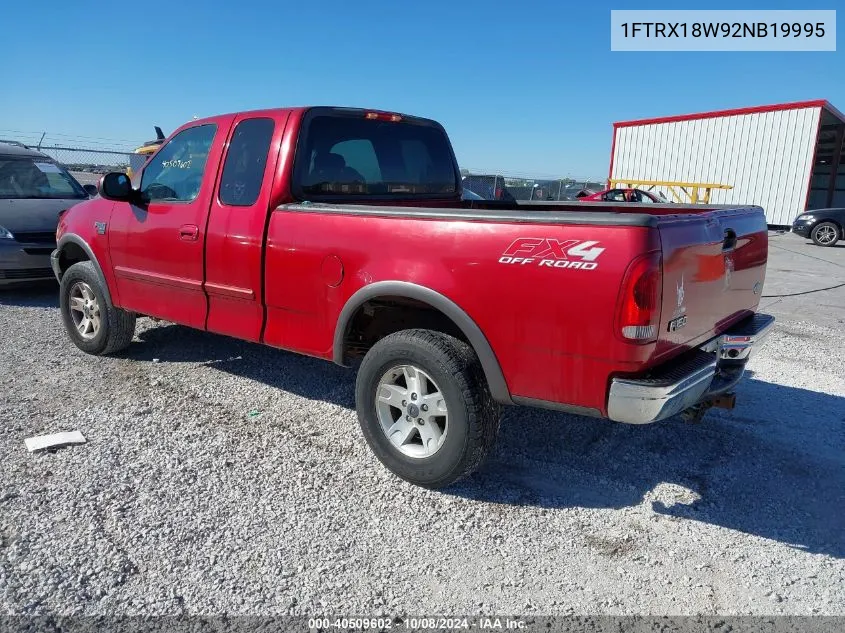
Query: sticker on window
178	164
48	168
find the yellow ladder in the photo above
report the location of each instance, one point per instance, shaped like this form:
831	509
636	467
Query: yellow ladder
695	192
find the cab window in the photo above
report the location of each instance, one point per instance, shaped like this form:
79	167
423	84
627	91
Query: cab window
360	158
243	171
353	153
175	173
614	195
36	178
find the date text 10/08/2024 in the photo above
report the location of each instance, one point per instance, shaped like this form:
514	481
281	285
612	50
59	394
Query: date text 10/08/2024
722	29
414	623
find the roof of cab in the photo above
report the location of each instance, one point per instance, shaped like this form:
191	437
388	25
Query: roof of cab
300	110
15	150
260	112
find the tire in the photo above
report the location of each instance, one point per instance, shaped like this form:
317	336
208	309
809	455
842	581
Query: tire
109	329
825	234
450	374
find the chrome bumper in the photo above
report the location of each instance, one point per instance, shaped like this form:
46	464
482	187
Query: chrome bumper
714	368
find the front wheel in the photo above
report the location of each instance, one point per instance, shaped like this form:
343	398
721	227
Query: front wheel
93	325
825	234
425	408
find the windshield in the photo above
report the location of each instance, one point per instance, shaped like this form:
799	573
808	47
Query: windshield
348	155
36	178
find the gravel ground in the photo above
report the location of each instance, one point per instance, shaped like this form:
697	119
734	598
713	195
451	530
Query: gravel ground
223	477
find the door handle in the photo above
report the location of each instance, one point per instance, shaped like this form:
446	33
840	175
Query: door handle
189	232
730	240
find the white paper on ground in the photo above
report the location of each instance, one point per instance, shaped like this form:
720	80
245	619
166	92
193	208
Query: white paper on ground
54	440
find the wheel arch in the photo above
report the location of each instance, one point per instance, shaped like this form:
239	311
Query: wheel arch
72	249
448	308
839	223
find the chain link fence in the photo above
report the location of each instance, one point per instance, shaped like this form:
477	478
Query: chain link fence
88	165
503	187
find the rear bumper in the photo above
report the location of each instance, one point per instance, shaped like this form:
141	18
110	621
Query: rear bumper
712	370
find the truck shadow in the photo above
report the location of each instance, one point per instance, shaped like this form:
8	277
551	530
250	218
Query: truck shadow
774	467
304	376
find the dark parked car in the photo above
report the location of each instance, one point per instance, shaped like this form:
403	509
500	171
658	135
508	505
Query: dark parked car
823	226
34	190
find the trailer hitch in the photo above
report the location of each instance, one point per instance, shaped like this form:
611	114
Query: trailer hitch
696	412
724	401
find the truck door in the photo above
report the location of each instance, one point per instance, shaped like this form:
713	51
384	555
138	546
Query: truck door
236	226
156	245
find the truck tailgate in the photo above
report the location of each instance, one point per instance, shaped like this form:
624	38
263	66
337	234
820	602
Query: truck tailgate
714	265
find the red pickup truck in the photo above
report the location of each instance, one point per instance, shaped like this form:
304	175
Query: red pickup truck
342	234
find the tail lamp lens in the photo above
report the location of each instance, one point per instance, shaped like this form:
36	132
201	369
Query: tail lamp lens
638	310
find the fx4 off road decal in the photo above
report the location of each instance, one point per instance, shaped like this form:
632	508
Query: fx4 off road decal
548	252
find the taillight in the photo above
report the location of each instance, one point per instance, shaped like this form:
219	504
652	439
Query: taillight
638	307
383	116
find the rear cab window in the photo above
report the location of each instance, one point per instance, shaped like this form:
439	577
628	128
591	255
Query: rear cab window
343	153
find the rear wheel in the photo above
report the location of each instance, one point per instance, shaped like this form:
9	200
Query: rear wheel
425	408
825	234
93	325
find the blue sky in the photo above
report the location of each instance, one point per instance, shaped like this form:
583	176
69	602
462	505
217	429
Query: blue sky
521	87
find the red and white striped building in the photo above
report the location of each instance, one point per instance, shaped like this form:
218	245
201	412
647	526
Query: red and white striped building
786	158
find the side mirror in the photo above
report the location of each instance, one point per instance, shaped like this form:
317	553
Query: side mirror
91	190
115	186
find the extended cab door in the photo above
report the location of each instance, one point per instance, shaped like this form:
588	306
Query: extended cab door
236	225
157	244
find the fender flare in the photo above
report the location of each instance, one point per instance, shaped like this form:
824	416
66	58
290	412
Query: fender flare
73	238
489	363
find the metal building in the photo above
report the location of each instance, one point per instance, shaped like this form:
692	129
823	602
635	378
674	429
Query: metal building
786	158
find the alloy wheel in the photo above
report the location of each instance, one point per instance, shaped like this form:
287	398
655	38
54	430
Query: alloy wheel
826	235
84	310
412	411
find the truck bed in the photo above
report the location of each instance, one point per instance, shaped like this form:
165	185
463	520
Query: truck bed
551	328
